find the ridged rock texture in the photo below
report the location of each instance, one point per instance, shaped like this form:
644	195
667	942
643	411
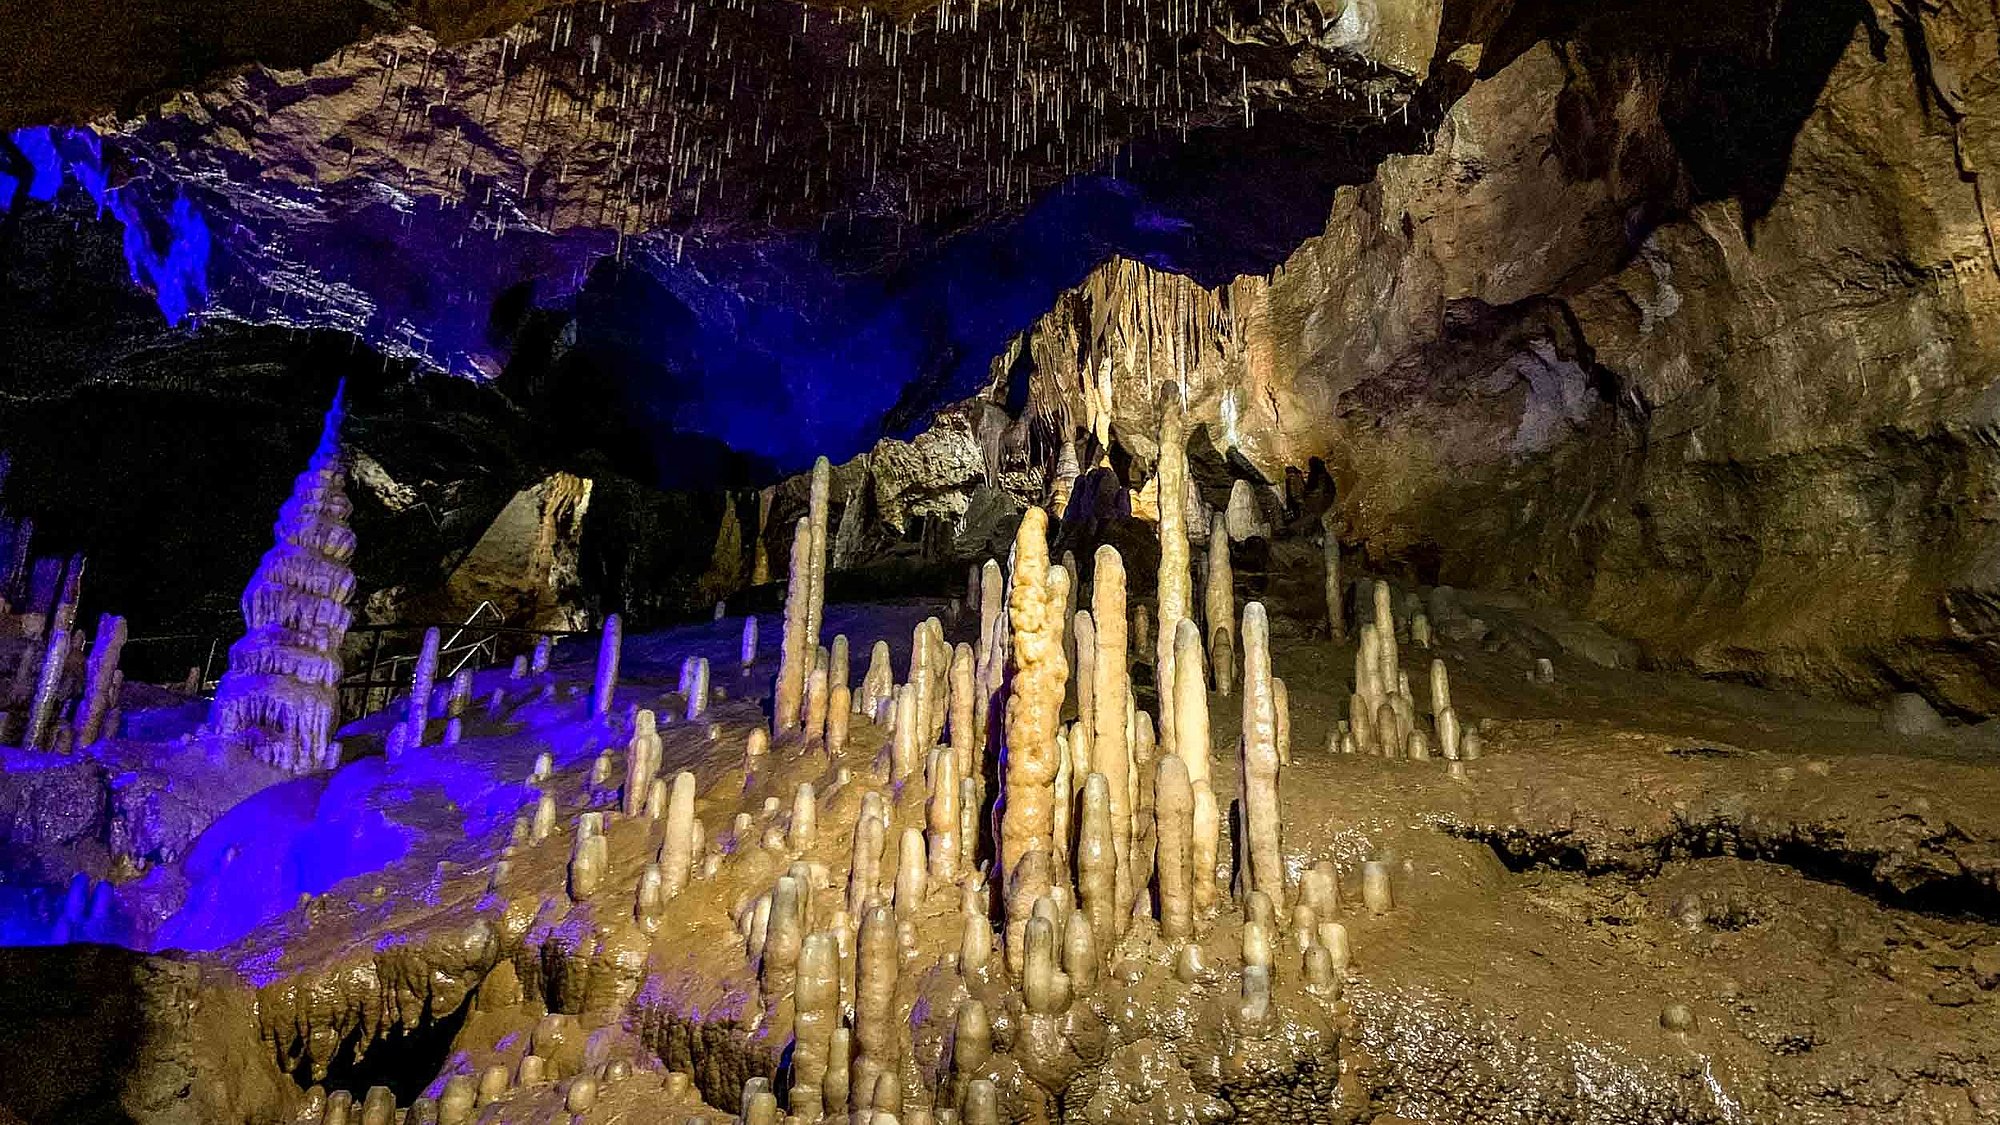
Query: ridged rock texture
281	695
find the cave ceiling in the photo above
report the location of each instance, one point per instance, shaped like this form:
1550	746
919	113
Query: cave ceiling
798	220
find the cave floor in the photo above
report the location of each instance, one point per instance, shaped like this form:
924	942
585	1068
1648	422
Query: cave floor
1815	901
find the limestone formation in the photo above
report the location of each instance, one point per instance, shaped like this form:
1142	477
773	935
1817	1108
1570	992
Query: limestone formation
1034	707
1174	812
281	694
1110	750
795	657
816	552
1259	768
1172	474
605	683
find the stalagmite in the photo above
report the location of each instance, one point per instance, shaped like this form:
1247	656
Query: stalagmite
964	735
1110	753
784	934
796	654
1375	894
1174	814
48	690
1329	548
544	648
816	1004
1034	709
697	691
911	867
982	1103
817	703
839	709
837	661
1448	735
985	674
1097	861
1204	847
839	1067
816	547
864	870
803	830
1219	607
651	900
1044	986
587	862
98	678
1260	757
677	850
1243	518
642	762
1389	742
281	694
747	655
460	698
1281	712
905	739
968	819
975	944
942	817
875	683
606	680
1388	660
876	960
1173	578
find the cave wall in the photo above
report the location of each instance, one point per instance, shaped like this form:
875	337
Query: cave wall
1647	332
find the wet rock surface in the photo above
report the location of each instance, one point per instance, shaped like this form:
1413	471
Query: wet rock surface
1813	900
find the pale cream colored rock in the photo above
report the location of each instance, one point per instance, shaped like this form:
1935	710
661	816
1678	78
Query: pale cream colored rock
1260	757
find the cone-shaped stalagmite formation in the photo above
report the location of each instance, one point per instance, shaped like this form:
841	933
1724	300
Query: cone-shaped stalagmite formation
281	694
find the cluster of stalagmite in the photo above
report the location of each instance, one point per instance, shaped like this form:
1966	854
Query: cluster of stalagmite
977	861
1382	715
281	694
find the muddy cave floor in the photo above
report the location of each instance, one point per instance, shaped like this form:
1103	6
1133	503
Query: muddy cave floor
1823	899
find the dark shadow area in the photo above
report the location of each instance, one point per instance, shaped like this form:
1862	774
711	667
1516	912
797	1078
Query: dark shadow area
74	1024
403	1059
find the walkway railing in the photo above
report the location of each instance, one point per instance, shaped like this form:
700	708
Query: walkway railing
480	641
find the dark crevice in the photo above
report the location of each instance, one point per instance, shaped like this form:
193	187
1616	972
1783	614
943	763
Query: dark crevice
405	1059
1962	896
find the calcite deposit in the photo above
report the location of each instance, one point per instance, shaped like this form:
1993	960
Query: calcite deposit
1356	561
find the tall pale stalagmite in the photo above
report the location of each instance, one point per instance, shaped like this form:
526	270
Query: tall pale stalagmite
1110	750
1219	606
1173	578
1034	705
281	693
964	736
423	680
816	1001
1191	735
816	543
795	657
48	690
104	652
1260	757
1329	550
992	605
608	645
1173	812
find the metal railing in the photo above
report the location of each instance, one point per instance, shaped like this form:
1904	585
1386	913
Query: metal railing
482	640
